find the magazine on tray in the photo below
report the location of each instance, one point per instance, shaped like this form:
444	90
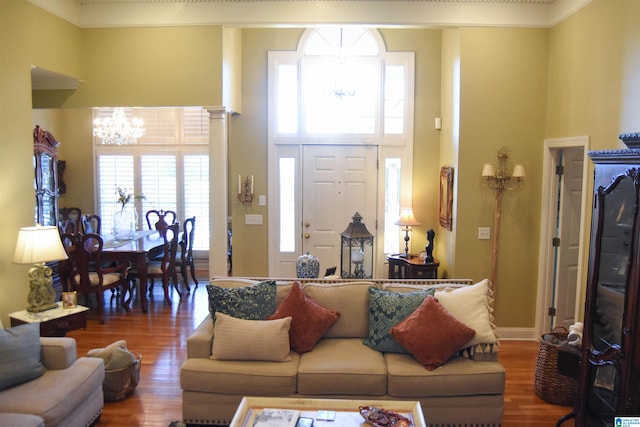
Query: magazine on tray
273	417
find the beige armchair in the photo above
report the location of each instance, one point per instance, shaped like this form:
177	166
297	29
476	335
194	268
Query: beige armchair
69	393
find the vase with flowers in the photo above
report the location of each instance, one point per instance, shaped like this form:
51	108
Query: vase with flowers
126	217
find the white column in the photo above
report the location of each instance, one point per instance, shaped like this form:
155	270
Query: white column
218	190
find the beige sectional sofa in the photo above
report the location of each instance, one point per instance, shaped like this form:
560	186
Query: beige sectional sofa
466	391
67	392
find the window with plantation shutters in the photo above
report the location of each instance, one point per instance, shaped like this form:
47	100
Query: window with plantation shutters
196	200
115	171
159	182
169	165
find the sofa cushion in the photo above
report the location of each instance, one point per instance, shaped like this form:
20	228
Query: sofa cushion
470	305
351	300
431	334
342	366
460	376
20	355
309	321
387	309
239	339
254	302
240	377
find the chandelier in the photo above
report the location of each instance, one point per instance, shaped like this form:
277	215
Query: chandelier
117	129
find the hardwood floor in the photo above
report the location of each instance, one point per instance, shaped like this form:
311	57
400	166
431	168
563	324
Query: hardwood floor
160	337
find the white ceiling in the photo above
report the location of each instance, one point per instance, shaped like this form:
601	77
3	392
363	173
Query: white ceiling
413	13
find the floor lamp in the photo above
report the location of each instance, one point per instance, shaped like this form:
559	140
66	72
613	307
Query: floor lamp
499	181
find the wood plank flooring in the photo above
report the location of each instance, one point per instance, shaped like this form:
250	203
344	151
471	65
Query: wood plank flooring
160	337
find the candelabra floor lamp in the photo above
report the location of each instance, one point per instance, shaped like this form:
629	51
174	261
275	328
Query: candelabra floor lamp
498	180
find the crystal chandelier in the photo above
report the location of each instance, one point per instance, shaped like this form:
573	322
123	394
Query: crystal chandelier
117	129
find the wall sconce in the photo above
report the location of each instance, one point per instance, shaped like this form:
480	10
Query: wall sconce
496	175
498	180
407	219
245	190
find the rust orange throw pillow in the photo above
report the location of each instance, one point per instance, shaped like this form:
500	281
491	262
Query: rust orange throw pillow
431	334
309	321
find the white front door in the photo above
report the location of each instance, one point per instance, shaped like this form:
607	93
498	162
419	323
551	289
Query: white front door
318	188
337	182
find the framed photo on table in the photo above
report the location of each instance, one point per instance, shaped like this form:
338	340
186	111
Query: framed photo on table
446	198
69	299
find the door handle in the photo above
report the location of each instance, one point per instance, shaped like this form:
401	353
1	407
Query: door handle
306	224
307	235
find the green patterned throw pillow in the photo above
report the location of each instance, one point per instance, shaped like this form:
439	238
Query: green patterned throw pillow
255	302
387	309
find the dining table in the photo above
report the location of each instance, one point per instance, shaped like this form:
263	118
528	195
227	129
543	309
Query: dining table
137	250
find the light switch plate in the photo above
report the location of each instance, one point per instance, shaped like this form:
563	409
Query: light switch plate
253	219
484	233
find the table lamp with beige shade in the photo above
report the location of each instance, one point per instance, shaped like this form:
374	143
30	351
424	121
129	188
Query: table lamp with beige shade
406	220
38	245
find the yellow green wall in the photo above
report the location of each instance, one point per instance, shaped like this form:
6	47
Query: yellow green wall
28	36
503	96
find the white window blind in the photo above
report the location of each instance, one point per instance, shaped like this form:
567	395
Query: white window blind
196	200
114	171
159	183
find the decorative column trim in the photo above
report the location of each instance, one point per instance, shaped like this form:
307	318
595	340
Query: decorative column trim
218	189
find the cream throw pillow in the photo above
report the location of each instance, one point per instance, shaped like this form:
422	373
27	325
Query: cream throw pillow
239	339
470	305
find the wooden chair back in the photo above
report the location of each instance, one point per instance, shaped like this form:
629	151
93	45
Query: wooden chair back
160	219
86	272
92	224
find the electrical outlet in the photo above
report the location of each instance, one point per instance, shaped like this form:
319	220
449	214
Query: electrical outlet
262	200
484	233
253	219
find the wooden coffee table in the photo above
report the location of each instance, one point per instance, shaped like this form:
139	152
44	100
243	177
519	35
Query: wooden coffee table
346	410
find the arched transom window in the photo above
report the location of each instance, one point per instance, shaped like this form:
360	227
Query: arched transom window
343	82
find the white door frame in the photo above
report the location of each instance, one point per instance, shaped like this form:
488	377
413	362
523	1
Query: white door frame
547	225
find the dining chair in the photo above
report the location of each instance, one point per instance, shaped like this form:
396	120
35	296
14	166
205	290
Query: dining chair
164	268
160	219
68	226
185	260
74	214
92	224
86	271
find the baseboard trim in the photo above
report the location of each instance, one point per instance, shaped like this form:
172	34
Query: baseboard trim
528	334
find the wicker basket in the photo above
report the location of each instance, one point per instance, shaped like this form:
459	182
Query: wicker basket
551	385
119	383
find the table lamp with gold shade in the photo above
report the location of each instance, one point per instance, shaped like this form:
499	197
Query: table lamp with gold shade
406	220
38	245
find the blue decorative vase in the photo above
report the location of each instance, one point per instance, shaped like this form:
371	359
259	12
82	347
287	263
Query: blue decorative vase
307	266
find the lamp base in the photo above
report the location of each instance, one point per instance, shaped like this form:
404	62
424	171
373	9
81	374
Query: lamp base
41	294
38	309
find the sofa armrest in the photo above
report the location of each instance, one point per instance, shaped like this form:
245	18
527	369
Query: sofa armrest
200	341
57	353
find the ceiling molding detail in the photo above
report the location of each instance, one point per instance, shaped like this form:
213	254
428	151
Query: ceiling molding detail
306	13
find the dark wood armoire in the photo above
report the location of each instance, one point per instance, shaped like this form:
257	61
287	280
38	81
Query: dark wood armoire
609	383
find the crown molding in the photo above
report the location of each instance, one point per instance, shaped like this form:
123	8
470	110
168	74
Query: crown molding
268	13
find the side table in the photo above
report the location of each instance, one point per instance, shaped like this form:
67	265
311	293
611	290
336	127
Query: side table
55	322
412	267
